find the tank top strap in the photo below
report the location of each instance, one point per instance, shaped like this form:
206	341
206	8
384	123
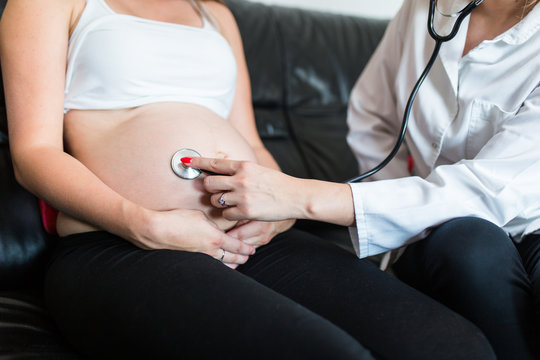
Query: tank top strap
205	14
93	10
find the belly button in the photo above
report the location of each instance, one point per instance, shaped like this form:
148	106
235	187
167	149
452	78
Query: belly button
222	155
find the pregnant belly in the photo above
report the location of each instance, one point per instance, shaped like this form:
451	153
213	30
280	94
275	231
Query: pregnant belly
131	152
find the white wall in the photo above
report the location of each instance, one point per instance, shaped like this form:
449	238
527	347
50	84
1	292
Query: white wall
378	8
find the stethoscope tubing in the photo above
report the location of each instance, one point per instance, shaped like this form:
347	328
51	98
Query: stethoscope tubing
439	40
406	116
466	11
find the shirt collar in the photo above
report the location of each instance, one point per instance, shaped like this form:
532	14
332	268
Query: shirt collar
451	51
523	30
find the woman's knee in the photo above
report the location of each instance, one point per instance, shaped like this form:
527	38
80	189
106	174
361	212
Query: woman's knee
463	253
467	243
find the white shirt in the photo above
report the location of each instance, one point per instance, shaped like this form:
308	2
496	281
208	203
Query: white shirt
474	132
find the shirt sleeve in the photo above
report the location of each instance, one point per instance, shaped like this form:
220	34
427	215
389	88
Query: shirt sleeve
372	116
499	184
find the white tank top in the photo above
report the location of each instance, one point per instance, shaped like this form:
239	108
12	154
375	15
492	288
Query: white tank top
118	61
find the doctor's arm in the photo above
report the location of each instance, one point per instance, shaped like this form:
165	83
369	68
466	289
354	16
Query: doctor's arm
499	184
254	192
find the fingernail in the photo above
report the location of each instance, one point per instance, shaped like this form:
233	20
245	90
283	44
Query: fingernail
186	160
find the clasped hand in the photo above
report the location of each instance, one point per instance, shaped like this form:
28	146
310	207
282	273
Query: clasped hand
197	234
246	194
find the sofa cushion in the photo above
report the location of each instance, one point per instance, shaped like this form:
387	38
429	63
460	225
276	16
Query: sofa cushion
23	243
303	65
27	331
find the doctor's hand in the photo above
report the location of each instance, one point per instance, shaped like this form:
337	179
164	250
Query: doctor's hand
250	191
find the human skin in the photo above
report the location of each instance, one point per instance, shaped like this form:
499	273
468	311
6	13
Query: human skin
253	192
110	169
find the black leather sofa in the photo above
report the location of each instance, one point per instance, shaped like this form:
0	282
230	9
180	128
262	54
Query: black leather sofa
303	65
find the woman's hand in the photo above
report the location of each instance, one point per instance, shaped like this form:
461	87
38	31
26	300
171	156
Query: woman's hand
251	192
192	230
259	233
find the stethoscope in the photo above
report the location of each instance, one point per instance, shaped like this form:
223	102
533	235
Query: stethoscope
187	173
439	40
192	173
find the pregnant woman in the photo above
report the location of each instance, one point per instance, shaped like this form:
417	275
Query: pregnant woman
100	94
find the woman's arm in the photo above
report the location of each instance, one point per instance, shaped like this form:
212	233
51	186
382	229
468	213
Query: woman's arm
500	184
33	48
251	191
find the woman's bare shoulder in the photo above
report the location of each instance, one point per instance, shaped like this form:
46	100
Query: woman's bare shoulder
39	11
221	13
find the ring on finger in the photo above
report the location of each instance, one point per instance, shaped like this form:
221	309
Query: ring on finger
222	201
222	255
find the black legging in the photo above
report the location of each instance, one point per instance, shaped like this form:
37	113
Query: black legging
473	267
296	298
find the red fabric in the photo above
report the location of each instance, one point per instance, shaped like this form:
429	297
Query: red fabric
410	164
48	216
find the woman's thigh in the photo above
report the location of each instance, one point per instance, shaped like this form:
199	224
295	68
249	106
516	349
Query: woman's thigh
390	318
113	300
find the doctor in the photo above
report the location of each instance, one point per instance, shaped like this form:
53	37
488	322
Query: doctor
473	195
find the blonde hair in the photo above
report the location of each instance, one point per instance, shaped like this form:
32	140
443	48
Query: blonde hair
204	12
219	1
530	4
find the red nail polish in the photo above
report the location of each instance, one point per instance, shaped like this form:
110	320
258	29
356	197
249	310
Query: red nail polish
186	160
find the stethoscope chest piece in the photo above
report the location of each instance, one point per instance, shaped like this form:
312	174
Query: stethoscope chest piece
179	168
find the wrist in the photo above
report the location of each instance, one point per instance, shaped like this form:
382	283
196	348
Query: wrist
140	224
311	205
328	202
299	198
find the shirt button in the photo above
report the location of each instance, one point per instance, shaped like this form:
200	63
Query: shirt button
434	145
